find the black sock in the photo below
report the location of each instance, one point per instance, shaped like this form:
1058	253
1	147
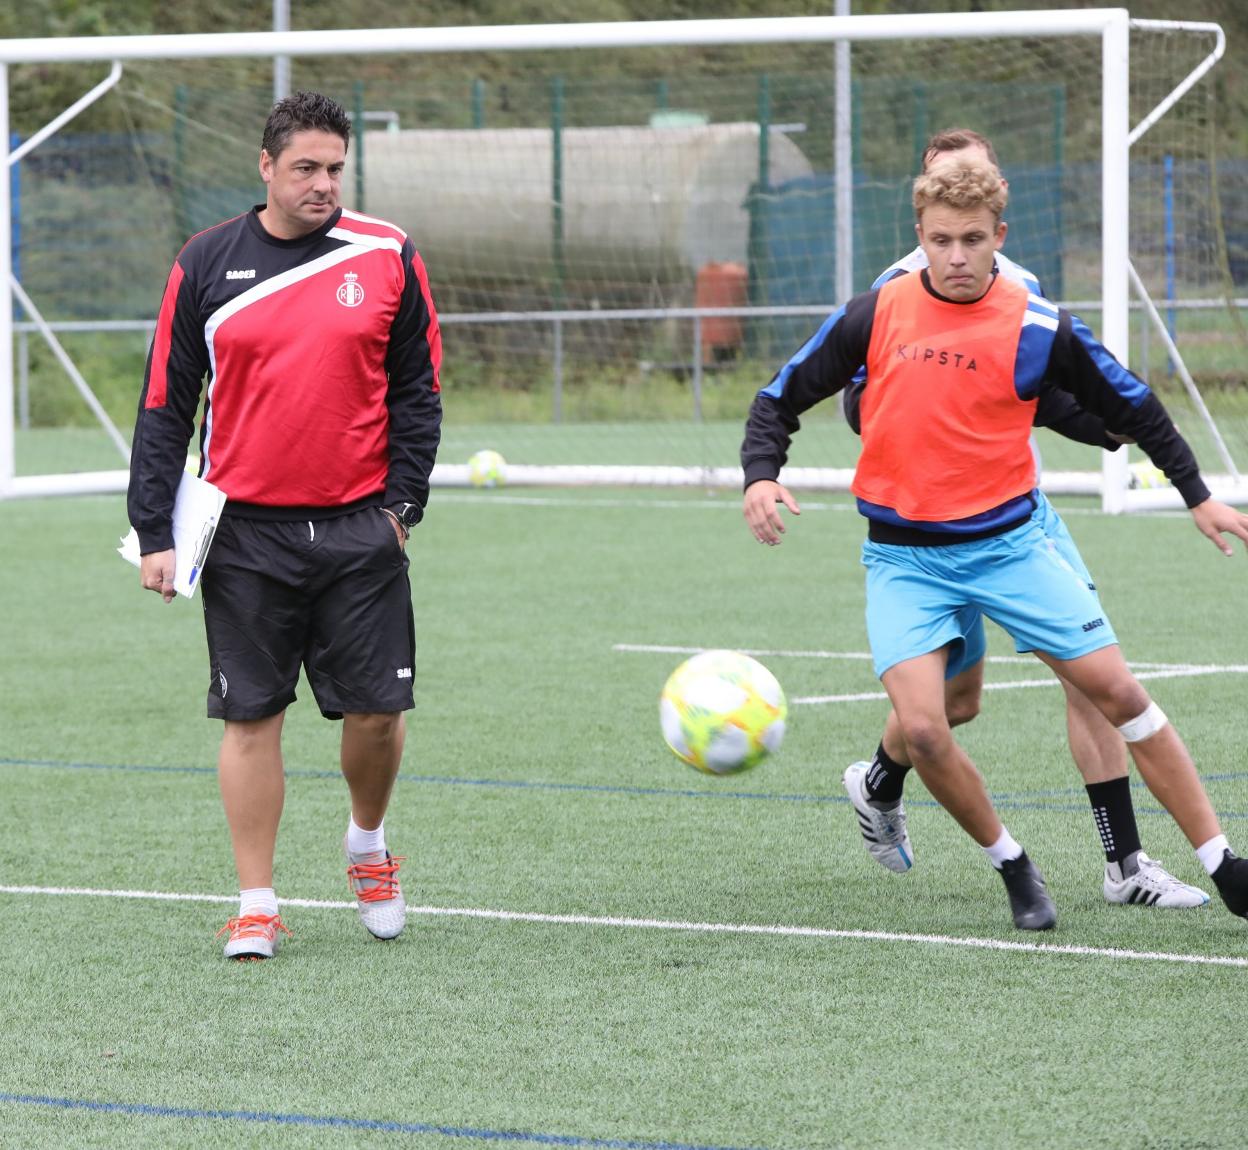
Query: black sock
1115	818
1231	879
885	778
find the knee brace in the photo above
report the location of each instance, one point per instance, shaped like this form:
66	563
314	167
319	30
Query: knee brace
1144	726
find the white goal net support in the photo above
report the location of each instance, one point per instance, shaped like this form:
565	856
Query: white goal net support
629	227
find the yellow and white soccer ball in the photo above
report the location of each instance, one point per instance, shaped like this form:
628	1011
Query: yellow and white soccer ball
487	469
722	712
1145	477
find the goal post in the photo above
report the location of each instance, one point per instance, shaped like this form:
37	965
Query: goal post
1127	487
619	261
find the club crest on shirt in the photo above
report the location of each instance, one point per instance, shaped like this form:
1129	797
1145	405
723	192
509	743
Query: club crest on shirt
350	293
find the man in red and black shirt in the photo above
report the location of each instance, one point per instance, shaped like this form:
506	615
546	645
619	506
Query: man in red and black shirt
317	335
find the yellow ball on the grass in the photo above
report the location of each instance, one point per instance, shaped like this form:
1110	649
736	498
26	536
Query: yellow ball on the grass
487	469
722	712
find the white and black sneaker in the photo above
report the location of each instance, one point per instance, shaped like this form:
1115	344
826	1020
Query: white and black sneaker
883	828
1150	885
1030	902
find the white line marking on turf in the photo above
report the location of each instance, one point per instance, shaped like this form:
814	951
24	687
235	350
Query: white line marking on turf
697	500
861	656
668	924
655	649
713	497
1142	670
1009	686
1173	672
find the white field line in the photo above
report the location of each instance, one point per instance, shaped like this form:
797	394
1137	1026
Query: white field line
1142	670
711	503
717	500
667	924
1021	684
655	649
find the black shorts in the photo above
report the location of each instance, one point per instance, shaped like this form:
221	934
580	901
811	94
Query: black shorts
331	596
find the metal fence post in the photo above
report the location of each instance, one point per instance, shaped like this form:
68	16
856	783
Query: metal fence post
558	370
697	369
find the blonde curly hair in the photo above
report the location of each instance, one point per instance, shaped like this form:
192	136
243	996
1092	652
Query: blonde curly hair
963	187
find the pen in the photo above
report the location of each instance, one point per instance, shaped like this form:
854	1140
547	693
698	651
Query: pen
201	552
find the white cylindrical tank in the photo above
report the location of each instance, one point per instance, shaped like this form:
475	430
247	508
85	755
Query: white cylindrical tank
639	203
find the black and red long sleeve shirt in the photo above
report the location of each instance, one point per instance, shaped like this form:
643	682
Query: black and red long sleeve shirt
321	357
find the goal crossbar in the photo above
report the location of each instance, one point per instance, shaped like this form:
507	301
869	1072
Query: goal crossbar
545	37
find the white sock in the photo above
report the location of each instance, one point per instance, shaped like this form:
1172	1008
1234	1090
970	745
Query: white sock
1211	853
1003	850
362	842
257	900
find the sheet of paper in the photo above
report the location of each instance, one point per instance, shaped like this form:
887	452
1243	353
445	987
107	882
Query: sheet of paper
196	512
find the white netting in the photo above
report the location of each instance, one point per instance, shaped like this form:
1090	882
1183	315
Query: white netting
1189	250
574	207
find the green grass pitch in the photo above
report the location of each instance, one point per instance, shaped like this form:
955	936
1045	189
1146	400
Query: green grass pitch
583	966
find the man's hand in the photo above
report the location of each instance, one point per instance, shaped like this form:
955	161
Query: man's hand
398	532
761	512
1213	518
156	573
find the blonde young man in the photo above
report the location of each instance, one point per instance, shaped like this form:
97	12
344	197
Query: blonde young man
957	359
875	788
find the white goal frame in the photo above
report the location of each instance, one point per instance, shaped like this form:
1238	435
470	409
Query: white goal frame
1111	25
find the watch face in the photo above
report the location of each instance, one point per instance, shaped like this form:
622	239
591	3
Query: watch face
408	514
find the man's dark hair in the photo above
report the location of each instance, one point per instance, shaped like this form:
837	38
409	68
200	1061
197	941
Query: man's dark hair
954	140
304	112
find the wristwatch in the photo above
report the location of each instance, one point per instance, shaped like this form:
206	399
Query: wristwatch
408	514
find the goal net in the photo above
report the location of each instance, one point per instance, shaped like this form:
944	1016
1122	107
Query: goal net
628	228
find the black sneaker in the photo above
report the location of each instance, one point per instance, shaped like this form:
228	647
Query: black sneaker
1231	879
1030	903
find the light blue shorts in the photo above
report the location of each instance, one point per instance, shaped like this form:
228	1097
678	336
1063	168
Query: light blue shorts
1031	581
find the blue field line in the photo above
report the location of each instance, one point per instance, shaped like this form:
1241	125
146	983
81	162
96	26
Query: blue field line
1017	801
137	767
143	1110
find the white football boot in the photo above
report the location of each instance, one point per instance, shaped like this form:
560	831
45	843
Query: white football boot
883	829
375	880
1150	885
252	936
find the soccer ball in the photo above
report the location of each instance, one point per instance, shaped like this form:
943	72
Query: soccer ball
722	712
1144	476
487	469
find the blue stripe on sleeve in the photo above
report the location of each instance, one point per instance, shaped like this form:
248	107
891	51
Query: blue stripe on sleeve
1042	309
1035	346
775	388
1133	389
